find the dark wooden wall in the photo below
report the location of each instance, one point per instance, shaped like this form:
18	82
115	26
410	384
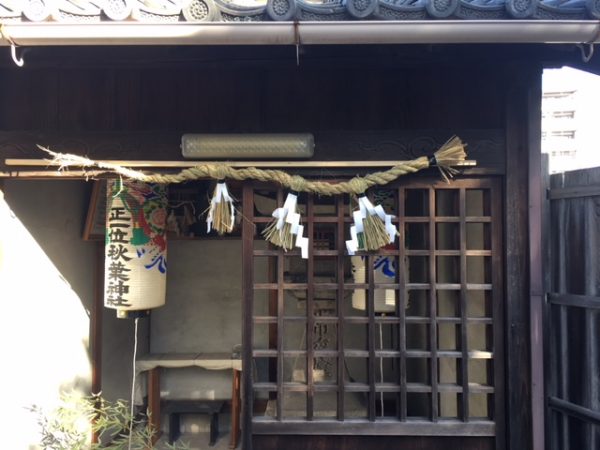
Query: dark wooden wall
276	96
368	108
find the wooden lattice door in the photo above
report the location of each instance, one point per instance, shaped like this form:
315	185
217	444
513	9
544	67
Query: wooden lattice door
407	340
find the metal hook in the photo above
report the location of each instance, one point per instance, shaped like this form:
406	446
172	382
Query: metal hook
13	46
13	52
297	39
586	56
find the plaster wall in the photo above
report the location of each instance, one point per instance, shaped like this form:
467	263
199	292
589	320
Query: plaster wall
202	314
46	291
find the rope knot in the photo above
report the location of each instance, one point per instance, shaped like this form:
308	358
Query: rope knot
298	183
220	171
358	185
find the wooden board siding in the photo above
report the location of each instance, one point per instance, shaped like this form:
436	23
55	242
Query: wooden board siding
267	95
356	111
573	397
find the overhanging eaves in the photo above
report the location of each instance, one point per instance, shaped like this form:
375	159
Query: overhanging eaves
307	33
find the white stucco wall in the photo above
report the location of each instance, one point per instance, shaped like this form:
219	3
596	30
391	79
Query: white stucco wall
46	282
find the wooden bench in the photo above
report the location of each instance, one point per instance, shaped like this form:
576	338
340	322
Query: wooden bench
174	408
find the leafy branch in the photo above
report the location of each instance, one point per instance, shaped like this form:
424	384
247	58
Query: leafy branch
72	423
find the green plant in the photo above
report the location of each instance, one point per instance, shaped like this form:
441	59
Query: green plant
71	424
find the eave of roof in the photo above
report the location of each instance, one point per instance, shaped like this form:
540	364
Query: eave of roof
306	33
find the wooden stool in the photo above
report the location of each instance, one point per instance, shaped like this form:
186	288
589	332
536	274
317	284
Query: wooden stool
174	408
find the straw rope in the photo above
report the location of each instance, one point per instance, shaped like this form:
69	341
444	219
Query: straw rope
449	155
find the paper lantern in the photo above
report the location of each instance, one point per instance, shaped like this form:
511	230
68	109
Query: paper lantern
384	271
135	268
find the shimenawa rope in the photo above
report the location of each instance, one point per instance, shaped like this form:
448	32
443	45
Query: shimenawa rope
450	154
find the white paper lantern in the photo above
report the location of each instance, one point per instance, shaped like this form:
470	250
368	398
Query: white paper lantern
135	271
384	271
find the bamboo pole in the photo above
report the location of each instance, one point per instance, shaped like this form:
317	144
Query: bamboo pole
258	164
54	174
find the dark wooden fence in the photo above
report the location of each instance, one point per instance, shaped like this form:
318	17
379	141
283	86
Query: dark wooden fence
572	313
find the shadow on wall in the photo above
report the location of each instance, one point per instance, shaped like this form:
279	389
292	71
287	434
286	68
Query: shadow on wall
44	329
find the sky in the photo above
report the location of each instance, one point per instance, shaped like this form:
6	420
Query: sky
586	103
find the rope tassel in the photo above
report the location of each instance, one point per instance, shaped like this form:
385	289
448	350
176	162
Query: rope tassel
372	227
449	155
285	230
221	213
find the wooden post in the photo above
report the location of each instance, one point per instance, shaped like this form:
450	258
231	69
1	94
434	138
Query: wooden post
96	323
235	409
154	402
516	328
247	311
536	279
522	202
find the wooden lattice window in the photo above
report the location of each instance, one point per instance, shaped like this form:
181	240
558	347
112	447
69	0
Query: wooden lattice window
407	340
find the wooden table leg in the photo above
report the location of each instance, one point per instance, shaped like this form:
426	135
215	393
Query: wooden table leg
154	402
235	409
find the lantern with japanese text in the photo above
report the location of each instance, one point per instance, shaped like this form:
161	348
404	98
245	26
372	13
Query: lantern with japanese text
384	267
384	271
136	248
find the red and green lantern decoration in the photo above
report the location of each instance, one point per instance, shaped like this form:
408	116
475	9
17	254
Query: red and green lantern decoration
136	247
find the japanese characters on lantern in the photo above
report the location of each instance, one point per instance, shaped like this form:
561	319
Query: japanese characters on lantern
136	247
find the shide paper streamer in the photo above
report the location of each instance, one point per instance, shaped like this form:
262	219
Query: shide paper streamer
372	227
221	213
285	230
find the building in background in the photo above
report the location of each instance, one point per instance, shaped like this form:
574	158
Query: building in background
570	132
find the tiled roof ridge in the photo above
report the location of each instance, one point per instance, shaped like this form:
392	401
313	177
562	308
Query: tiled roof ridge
169	11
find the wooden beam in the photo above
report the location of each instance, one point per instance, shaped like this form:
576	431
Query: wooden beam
463	376
187	164
96	324
518	379
433	331
379	428
54	174
549	368
402	275
340	269
591	190
571	409
154	402
370	261
536	259
248	230
235	409
310	311
160	165
501	412
579	301
280	313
